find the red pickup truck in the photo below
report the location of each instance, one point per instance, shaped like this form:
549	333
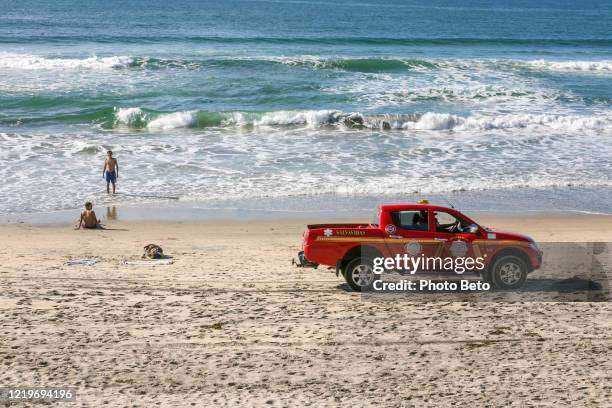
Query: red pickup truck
419	230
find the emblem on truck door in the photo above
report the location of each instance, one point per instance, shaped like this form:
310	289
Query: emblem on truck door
390	229
328	232
458	249
413	248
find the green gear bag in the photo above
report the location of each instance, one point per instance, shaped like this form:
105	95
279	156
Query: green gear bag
153	251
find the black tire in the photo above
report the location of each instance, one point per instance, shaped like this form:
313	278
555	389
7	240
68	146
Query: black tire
508	272
359	274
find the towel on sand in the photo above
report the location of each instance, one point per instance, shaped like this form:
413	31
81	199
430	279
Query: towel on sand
81	261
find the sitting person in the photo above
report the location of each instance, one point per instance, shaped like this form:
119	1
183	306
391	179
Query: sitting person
420	220
88	218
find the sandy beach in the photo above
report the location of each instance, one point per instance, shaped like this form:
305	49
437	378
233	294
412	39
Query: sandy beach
232	323
220	129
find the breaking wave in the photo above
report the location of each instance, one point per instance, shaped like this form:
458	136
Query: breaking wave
32	62
27	61
387	64
443	121
365	64
139	118
587	66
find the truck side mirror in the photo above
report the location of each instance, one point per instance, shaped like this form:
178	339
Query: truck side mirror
472	229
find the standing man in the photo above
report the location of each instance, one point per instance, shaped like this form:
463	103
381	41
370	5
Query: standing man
110	172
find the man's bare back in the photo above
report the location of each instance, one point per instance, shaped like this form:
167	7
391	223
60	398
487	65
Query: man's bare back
88	218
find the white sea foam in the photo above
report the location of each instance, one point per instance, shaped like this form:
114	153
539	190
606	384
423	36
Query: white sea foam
574	65
279	162
296	60
311	117
130	116
435	121
173	121
445	121
85	148
28	62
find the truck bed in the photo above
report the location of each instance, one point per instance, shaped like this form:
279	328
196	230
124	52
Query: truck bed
346	226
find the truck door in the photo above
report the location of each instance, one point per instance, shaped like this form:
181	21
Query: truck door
409	233
452	231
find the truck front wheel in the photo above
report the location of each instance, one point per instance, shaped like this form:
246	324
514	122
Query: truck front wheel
508	272
359	274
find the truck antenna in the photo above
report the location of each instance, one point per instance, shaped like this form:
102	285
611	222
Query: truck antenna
449	203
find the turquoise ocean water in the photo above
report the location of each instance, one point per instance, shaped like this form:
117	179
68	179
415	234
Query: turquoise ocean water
240	102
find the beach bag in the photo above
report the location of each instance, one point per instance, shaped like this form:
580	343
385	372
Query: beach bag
153	251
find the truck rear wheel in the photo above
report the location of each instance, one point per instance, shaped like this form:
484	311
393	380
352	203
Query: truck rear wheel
359	274
509	272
